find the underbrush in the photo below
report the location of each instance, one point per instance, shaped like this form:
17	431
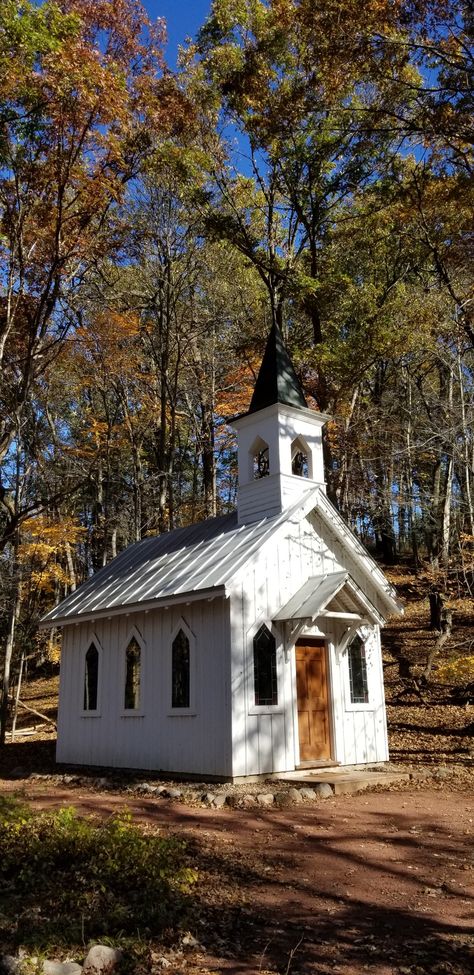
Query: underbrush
65	881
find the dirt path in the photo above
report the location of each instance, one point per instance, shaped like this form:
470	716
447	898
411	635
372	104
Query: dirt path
374	883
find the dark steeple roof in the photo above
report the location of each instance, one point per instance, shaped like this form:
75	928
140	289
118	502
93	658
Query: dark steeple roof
277	381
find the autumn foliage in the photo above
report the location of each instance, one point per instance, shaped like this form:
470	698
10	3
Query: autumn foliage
309	164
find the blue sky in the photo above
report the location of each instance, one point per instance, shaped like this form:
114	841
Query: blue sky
183	19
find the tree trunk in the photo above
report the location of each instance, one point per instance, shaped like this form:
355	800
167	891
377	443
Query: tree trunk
446	626
436	609
446	521
7	661
467	462
17	694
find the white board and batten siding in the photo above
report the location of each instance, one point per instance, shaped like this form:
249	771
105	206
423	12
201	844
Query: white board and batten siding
265	739
197	742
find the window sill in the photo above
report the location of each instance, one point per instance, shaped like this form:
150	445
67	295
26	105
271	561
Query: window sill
361	707
182	713
132	714
266	709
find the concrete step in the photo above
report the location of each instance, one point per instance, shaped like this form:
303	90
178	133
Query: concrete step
341	781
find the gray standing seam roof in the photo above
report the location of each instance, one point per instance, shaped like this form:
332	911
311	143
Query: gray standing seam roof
187	560
312	597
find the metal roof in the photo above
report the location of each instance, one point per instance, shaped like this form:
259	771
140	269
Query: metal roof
196	560
199	561
312	597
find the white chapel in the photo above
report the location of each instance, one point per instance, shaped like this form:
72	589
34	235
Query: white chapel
245	645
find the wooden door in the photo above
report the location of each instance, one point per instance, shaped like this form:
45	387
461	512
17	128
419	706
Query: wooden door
313	708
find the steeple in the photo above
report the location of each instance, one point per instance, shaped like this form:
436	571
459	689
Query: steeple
277	381
279	439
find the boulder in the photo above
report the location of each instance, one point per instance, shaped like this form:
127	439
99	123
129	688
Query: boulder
219	800
173	793
232	800
307	794
323	790
295	795
10	965
61	968
283	800
247	802
265	799
102	960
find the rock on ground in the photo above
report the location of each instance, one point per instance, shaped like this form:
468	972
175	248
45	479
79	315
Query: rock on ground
307	794
265	799
102	960
219	800
61	968
9	965
323	790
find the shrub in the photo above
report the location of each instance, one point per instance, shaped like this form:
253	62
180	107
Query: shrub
457	670
68	880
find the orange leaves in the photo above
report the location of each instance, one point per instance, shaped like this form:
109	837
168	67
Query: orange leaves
236	392
105	349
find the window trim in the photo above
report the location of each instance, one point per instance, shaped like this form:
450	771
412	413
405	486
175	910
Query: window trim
96	713
139	712
351	705
252	633
191	710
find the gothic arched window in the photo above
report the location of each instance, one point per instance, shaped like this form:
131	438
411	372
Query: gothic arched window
260	459
91	678
132	675
358	672
180	671
265	667
299	458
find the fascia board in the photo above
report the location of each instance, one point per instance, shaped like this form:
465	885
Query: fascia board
163	602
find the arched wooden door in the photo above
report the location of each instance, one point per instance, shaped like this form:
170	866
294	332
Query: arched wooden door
313	700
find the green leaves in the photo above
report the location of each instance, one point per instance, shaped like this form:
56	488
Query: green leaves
63	877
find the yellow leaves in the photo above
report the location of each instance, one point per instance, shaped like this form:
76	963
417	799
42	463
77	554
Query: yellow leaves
53	533
456	670
53	647
43	550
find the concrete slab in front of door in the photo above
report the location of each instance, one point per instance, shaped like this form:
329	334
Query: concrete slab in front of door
342	780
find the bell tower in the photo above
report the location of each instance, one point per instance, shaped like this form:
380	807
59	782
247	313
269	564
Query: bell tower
279	440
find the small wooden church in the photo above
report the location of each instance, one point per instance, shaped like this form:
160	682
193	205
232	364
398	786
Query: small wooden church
247	644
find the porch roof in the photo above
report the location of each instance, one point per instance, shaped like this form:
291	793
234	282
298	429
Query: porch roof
333	594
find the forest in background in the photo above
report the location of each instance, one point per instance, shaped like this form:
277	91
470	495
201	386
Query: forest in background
309	164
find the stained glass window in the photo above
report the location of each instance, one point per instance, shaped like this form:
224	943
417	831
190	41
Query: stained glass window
358	672
265	669
91	679
132	675
180	671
